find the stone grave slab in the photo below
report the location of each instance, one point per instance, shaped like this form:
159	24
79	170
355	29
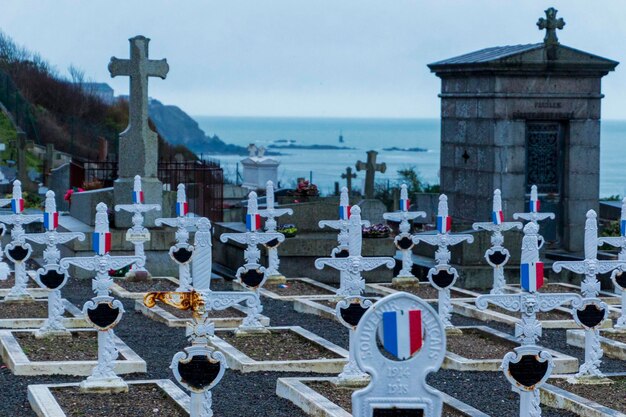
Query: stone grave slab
297	288
19	362
73	316
44	404
322	307
126	289
562	287
556	319
612	341
596	402
424	290
231	317
495	345
299	392
325	358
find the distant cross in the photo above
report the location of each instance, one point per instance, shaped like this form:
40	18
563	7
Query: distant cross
534	215
52	276
370	167
403	240
138	234
348	177
618	276
590	267
442	276
497	256
139	68
550	24
271	214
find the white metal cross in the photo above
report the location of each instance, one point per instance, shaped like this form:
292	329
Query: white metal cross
443	276
271	214
534	215
138	234
403	240
497	256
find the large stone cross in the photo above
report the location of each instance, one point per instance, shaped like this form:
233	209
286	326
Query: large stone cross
138	141
348	176
550	24
497	256
590	267
370	167
443	276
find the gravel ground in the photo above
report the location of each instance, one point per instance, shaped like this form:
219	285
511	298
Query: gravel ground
254	393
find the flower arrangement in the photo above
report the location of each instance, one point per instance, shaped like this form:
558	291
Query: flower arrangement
289	230
304	190
68	194
119	273
379	230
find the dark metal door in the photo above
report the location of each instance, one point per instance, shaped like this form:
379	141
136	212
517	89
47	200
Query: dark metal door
544	168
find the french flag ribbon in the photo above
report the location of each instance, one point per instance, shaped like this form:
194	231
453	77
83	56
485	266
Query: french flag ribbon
497	217
623	227
137	197
253	222
51	220
405	204
444	224
182	208
101	243
344	212
17	205
402	332
534	206
532	276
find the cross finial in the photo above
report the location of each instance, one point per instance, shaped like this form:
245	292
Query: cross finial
137	183
253	205
344	200
497	200
442	210
51	205
102	219
550	24
17	189
404	192
181	195
269	194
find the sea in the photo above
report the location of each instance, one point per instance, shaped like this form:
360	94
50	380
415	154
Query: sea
324	167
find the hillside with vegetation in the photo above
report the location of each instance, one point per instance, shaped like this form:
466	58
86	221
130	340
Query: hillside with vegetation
55	109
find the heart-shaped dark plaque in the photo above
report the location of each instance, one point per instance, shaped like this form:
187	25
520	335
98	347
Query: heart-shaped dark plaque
342	253
620	279
353	313
252	277
182	255
18	253
52	279
443	278
398	412
590	316
405	243
103	316
199	371
272	243
497	257
528	371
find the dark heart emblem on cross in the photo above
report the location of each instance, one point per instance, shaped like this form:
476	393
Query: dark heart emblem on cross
18	252
528	371
252	277
497	257
52	277
272	244
620	279
181	254
442	278
103	314
404	242
343	253
198	372
591	315
351	309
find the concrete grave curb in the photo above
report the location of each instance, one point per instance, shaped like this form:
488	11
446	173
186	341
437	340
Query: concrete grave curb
312	306
314	404
270	294
74	322
612	348
239	361
385	289
159	314
563	364
17	361
120	292
44	404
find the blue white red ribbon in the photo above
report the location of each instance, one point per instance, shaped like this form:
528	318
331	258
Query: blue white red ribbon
253	222
344	212
50	220
138	197
182	208
532	276
101	242
534	206
497	217
405	204
402	332
17	205
444	224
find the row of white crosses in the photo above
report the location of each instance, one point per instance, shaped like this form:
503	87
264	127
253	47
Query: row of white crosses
271	213
18	250
403	240
348	284
252	275
618	277
352	266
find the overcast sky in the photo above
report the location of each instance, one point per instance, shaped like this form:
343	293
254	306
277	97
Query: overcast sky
360	58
